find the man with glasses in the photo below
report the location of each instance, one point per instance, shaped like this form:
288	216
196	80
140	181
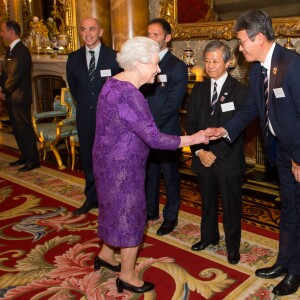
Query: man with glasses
220	165
274	96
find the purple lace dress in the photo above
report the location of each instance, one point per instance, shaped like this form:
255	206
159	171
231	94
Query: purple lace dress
125	131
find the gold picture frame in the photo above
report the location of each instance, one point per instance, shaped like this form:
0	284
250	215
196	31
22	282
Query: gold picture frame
283	27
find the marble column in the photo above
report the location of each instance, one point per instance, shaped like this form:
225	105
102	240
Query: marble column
97	9
129	18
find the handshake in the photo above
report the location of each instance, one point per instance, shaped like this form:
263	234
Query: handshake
204	136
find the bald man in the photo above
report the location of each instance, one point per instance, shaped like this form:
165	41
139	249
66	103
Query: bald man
87	70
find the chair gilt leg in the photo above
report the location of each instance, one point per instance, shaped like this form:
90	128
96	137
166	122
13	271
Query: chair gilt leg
58	158
73	156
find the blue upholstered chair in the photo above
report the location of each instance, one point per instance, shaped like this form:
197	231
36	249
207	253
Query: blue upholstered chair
55	126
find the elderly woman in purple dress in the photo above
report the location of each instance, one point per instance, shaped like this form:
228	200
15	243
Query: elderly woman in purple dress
125	130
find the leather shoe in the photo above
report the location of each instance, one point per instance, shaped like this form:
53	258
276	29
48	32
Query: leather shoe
233	257
202	245
289	285
271	272
122	285
29	167
17	163
98	263
166	227
85	208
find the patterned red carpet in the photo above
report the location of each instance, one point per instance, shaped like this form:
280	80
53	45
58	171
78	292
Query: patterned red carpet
47	253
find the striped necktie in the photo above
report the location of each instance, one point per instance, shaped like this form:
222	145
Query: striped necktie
92	68
214	99
266	96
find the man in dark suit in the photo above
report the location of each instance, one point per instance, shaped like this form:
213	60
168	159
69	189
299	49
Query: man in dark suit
16	91
164	98
87	70
220	165
275	97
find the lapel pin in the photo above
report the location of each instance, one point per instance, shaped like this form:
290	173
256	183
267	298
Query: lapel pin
222	99
274	70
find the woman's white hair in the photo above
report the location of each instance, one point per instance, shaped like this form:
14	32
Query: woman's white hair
137	49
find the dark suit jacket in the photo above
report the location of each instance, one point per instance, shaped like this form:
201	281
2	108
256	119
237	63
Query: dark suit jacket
165	99
230	157
284	112
15	79
83	92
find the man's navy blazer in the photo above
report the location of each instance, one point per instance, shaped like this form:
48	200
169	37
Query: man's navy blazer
284	101
164	99
83	92
230	157
15	78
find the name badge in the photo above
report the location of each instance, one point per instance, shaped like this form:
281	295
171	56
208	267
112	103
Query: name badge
162	78
105	73
279	93
227	106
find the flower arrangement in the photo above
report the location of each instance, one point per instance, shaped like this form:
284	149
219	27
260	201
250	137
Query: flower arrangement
39	27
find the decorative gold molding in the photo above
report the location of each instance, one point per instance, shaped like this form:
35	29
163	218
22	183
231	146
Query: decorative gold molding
283	27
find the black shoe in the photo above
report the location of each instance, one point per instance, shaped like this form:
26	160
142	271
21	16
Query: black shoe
152	218
85	208
233	257
122	285
202	245
29	167
166	227
98	263
17	163
289	285
271	272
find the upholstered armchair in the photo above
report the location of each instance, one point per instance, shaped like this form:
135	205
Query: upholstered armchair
55	126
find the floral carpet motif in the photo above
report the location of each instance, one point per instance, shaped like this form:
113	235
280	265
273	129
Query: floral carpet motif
48	253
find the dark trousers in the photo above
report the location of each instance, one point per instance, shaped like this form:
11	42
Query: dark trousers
231	195
289	237
20	120
166	162
86	141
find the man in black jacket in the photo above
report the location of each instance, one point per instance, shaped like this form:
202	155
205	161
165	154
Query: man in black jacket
85	83
16	91
164	98
220	165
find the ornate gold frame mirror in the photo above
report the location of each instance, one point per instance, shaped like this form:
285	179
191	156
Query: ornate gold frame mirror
70	18
283	27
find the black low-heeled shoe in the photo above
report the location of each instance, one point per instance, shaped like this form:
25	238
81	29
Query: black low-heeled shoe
98	263
122	285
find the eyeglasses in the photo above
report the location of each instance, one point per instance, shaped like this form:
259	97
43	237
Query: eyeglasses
242	43
213	62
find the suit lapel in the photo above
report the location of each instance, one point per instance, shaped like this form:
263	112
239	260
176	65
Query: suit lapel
164	62
206	94
84	62
276	72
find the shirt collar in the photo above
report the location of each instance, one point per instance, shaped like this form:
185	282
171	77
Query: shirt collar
13	44
96	49
268	59
162	53
220	81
